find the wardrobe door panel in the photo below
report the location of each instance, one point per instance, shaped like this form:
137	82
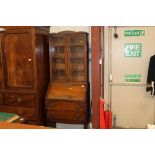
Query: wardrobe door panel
19	60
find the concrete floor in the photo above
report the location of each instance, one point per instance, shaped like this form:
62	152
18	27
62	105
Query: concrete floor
69	126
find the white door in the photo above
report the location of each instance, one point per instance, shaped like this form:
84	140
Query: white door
127	59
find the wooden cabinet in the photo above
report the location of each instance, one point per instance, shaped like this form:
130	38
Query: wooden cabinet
24	72
67	98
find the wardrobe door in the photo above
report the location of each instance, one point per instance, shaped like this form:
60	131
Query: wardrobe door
18	60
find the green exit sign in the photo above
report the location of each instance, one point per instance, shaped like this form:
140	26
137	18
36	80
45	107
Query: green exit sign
133	50
128	33
132	78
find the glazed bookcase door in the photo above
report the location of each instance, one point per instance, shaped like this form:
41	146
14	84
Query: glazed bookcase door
58	59
77	58
18	58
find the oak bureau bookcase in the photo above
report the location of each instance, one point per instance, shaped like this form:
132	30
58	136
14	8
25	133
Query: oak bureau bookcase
67	98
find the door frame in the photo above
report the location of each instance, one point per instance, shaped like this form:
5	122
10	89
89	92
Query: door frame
97	74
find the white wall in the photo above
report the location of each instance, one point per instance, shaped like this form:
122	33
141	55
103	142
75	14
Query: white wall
56	29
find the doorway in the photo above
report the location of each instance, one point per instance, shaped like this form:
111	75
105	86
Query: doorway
125	74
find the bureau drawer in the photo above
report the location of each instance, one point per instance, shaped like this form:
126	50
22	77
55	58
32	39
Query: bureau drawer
64	104
1	98
66	116
28	113
65	112
20	99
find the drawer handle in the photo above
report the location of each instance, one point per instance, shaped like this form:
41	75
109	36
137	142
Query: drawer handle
20	113
19	99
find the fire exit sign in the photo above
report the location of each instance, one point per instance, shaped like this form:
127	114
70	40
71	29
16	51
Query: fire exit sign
133	50
128	33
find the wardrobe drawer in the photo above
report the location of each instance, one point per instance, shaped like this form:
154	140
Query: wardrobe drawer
20	99
25	112
1	98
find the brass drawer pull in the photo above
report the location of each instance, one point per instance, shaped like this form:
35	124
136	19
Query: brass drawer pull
20	113
19	99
